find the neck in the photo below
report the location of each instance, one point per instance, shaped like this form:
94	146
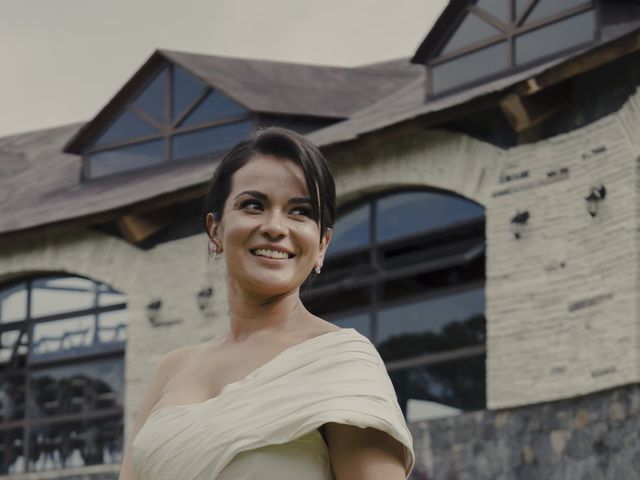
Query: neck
249	314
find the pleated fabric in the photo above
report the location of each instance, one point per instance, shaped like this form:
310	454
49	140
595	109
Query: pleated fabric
265	425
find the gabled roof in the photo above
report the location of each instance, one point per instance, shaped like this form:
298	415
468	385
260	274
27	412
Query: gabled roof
268	87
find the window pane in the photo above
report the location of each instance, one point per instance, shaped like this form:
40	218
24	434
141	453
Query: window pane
555	38
57	295
127	126
471	30
471	67
108	296
152	99
80	388
351	299
12	396
411	213
351	230
214	107
7	341
210	140
546	8
361	322
63	337
122	159
76	444
112	329
497	8
13	303
186	88
11	452
459	384
432	325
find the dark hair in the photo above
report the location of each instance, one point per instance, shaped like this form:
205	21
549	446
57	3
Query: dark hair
282	143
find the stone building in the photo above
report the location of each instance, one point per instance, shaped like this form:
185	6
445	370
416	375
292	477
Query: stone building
486	241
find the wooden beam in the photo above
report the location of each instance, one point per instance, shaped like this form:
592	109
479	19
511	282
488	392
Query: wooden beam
524	112
138	227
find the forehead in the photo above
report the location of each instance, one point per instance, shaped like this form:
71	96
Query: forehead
270	175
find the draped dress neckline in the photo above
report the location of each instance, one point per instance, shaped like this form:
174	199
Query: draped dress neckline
251	375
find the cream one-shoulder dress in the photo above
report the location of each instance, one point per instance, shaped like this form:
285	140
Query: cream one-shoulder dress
265	426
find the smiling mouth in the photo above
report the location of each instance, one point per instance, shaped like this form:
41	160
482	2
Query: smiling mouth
275	254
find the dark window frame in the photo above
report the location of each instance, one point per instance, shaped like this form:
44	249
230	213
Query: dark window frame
509	34
20	364
166	131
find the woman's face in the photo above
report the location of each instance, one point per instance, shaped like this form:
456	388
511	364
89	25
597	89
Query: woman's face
269	240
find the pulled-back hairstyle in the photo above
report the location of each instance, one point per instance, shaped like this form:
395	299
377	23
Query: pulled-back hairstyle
285	144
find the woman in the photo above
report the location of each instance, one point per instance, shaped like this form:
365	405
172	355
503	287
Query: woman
284	395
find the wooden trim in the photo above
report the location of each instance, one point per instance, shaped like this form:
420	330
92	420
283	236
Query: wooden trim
191	107
527	11
490	19
145	116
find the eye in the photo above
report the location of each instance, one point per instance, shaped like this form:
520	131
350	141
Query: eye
302	211
251	204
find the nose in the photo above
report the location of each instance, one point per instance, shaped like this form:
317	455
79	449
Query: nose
273	225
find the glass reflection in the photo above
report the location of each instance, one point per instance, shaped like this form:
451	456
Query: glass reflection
76	444
11	452
360	321
351	230
86	388
555	38
186	89
458	384
127	125
152	100
79	335
13	303
411	213
56	295
431	325
214	107
546	8
471	67
210	140
12	397
8	340
123	159
471	30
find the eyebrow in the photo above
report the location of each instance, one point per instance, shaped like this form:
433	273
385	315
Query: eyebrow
264	197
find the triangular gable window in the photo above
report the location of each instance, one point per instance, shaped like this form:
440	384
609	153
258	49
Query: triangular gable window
494	37
175	116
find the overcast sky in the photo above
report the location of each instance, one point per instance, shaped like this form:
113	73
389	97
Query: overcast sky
62	60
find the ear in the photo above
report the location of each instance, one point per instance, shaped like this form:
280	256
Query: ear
214	230
324	244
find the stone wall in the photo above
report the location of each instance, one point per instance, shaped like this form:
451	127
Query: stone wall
587	438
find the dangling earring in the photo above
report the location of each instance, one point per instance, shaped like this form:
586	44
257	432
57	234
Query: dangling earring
317	269
213	249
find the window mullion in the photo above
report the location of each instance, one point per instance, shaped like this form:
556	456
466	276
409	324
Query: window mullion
27	379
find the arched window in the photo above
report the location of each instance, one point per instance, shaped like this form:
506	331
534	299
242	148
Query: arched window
174	117
495	37
406	269
62	344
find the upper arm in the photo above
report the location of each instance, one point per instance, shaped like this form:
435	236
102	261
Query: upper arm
165	369
364	453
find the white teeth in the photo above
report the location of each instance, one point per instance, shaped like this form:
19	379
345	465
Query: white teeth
263	252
